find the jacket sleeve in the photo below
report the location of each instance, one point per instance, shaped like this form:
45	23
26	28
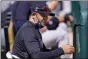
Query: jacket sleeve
33	47
14	8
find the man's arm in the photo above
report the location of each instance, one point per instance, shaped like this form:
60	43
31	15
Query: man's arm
14	8
52	5
33	47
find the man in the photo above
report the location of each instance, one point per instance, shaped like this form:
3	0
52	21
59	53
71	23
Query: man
56	33
21	11
28	41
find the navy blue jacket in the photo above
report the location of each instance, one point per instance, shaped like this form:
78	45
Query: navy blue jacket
28	44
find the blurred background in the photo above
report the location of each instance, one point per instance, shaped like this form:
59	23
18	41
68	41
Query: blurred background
78	32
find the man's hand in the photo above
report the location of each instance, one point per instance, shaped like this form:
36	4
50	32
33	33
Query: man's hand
68	49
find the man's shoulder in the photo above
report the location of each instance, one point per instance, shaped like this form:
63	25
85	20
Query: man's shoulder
25	29
26	25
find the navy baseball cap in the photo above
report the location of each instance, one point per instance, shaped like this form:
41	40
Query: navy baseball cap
42	10
52	24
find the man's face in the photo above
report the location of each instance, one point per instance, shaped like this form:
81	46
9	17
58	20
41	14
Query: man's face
42	18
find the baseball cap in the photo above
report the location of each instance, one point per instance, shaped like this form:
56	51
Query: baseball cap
52	24
42	10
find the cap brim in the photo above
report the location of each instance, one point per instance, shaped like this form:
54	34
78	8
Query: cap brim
45	12
51	14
